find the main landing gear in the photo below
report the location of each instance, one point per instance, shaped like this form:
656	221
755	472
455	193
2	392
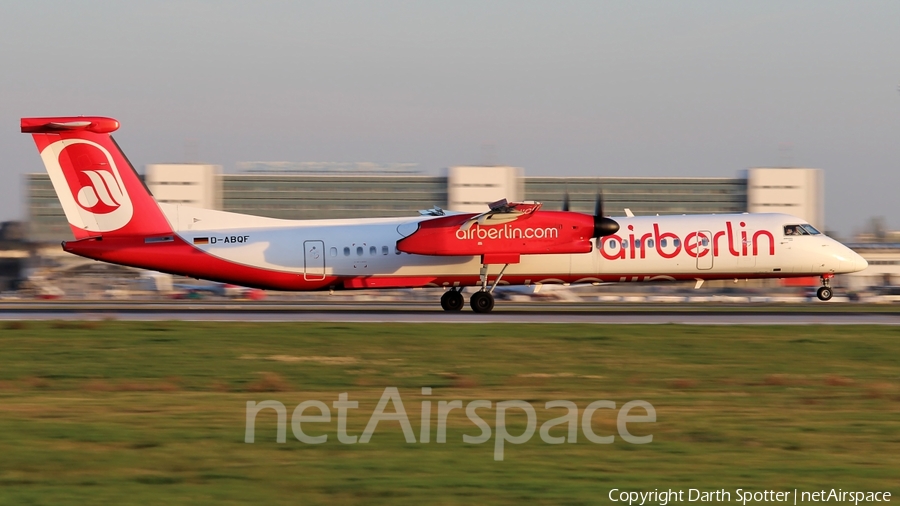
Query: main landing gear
825	292
452	300
481	301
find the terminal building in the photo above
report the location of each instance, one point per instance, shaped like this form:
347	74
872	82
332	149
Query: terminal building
313	191
339	190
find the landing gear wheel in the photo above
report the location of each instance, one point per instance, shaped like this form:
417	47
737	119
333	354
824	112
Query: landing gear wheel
452	300
482	302
824	293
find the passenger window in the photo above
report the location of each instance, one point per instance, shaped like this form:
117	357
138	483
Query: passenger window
613	244
704	241
624	244
346	251
663	243
637	244
649	243
677	243
384	250
359	251
333	251
373	251
396	251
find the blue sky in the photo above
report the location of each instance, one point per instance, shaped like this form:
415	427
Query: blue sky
559	88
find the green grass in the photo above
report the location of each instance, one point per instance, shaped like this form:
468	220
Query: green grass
137	413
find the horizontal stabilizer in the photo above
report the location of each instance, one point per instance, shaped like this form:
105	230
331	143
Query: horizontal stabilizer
95	124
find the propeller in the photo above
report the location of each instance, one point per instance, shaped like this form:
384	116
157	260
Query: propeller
603	226
566	201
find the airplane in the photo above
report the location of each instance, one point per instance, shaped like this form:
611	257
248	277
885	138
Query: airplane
115	219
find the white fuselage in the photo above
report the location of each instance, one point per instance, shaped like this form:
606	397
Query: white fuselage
362	253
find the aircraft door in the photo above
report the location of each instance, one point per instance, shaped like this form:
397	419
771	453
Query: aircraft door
313	260
703	250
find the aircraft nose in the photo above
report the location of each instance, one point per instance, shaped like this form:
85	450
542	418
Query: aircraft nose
858	263
853	262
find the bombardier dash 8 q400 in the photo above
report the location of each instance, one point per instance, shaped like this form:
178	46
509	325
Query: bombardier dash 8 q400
116	219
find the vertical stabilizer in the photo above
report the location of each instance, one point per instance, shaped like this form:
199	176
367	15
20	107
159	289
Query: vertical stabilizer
98	188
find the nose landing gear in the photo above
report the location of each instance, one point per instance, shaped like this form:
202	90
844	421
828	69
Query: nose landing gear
825	292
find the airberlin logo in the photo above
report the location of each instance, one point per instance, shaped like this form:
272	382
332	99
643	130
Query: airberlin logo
507	232
88	184
102	190
699	244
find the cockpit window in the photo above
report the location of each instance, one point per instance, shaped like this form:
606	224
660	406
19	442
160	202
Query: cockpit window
810	229
804	229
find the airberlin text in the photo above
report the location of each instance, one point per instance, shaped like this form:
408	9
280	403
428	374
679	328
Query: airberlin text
737	243
507	232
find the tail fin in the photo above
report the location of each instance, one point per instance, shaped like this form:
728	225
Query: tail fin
98	188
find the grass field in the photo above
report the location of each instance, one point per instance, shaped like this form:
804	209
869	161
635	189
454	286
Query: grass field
154	413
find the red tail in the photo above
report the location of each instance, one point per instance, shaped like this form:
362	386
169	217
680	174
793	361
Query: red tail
98	188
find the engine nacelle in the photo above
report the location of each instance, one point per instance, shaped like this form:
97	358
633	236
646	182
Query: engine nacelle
535	233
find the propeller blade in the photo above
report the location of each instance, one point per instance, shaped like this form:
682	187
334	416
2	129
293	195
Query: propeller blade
566	201
603	226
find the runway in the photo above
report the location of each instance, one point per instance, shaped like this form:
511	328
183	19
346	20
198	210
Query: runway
380	312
